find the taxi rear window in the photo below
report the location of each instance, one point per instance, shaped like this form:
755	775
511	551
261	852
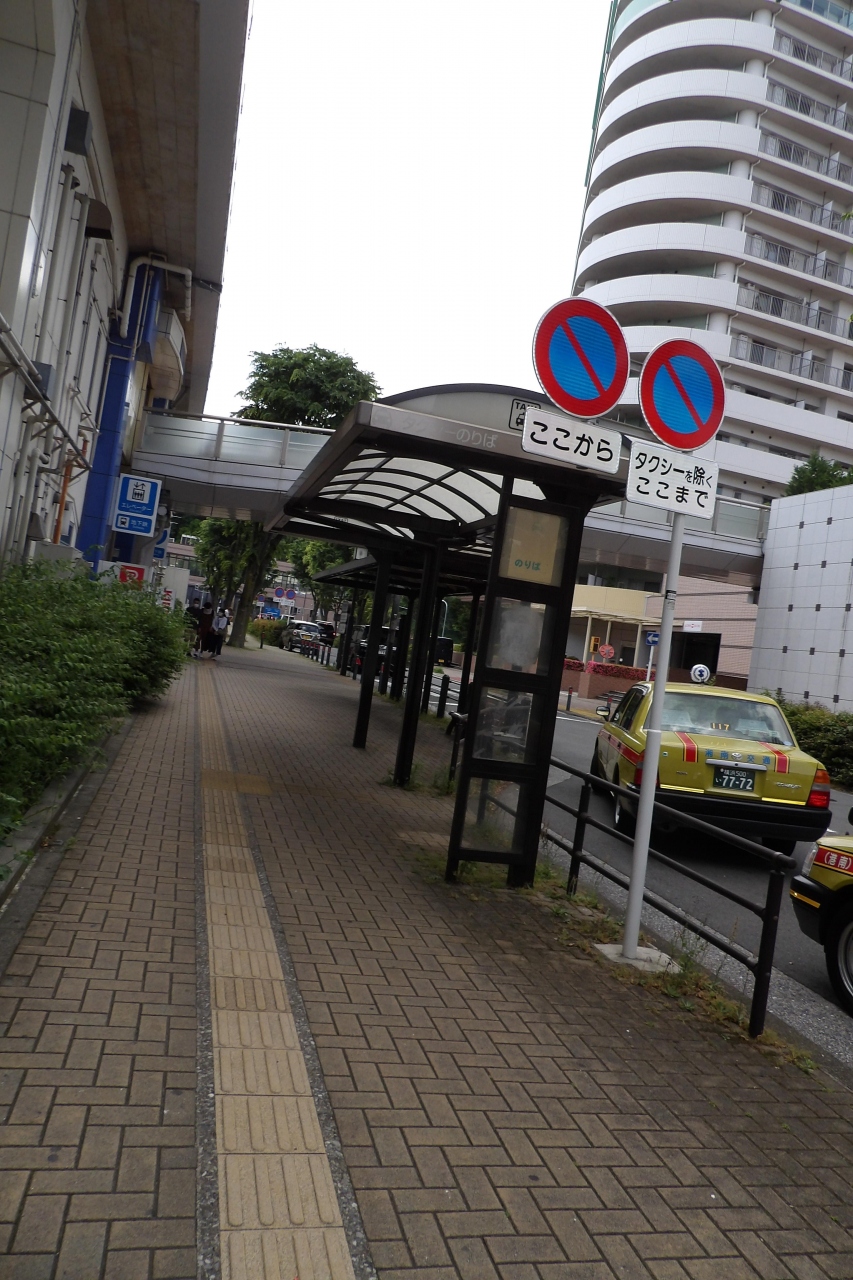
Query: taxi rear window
725	717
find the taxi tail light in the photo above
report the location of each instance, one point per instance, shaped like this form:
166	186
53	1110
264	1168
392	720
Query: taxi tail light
819	794
638	776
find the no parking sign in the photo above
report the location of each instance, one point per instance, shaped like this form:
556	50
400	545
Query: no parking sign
581	357
682	394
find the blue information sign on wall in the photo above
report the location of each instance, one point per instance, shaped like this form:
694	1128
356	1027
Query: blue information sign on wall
136	505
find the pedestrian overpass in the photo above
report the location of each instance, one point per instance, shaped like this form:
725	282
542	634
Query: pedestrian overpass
437	488
238	469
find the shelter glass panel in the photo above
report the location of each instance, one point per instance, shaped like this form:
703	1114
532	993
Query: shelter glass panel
520	637
507	725
490	816
534	546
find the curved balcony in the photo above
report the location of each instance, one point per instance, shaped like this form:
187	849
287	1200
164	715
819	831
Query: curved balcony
678	95
709	43
665	197
667	296
809	55
803	104
808	314
703	143
795	363
802	157
640	16
839	14
791	259
658	246
785	202
643	338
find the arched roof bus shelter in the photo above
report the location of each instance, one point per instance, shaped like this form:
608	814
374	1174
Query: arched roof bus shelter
433	498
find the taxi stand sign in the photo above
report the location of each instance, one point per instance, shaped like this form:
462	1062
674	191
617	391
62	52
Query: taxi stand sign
571	440
657	477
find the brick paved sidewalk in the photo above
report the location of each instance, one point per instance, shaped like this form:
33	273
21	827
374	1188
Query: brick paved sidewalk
505	1109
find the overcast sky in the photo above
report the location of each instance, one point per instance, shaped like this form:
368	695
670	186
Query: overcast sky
409	184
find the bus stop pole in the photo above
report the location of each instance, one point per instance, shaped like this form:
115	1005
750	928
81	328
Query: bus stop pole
651	757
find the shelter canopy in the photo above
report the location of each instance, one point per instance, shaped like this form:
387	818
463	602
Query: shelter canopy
391	477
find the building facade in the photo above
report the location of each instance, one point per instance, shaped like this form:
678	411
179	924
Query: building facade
118	132
720	189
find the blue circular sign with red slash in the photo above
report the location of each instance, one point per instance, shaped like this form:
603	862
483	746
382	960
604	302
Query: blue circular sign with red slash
682	394
581	357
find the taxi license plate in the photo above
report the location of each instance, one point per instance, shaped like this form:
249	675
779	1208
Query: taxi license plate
733	779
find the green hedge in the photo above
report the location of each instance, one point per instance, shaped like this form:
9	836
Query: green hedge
76	655
827	735
267	629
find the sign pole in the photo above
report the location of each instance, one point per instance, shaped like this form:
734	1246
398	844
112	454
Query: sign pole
651	660
652	753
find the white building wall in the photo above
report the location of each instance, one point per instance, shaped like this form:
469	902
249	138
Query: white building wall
804	631
46	69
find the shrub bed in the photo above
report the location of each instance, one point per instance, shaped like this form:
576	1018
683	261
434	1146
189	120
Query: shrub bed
827	735
266	629
76	655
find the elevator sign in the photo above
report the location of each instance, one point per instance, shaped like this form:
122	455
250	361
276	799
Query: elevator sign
136	505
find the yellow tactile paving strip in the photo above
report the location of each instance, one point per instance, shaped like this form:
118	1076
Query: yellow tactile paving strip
279	1215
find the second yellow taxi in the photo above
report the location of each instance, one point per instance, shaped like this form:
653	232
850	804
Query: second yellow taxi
726	756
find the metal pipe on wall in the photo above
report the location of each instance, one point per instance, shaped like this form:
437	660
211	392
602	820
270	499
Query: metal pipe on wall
68	182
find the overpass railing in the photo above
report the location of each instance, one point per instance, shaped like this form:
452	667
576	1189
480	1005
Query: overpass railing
243	440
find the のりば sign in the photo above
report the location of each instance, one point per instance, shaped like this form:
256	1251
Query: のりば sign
658	477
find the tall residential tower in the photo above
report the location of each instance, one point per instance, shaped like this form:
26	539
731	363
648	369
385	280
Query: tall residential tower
719	194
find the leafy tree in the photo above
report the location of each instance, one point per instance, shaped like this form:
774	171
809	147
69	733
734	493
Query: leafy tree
224	551
309	557
311	387
818	473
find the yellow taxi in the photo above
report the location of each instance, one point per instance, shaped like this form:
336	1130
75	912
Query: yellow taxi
727	757
823	903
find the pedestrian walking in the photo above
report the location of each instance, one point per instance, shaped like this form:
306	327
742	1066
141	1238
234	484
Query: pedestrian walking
218	632
205	627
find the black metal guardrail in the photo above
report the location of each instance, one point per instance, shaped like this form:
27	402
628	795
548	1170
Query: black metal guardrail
760	964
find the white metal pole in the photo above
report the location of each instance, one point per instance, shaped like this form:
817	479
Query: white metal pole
651	660
652	753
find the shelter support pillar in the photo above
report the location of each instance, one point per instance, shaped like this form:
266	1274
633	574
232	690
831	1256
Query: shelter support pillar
368	670
346	640
403	635
417	668
515	692
430	662
469	653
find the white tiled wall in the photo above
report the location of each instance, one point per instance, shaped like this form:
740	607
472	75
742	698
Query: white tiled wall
813	532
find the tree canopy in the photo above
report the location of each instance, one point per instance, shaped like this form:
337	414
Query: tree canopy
313	387
818	473
309	556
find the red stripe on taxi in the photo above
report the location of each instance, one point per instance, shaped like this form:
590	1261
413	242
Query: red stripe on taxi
691	749
834	861
783	764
